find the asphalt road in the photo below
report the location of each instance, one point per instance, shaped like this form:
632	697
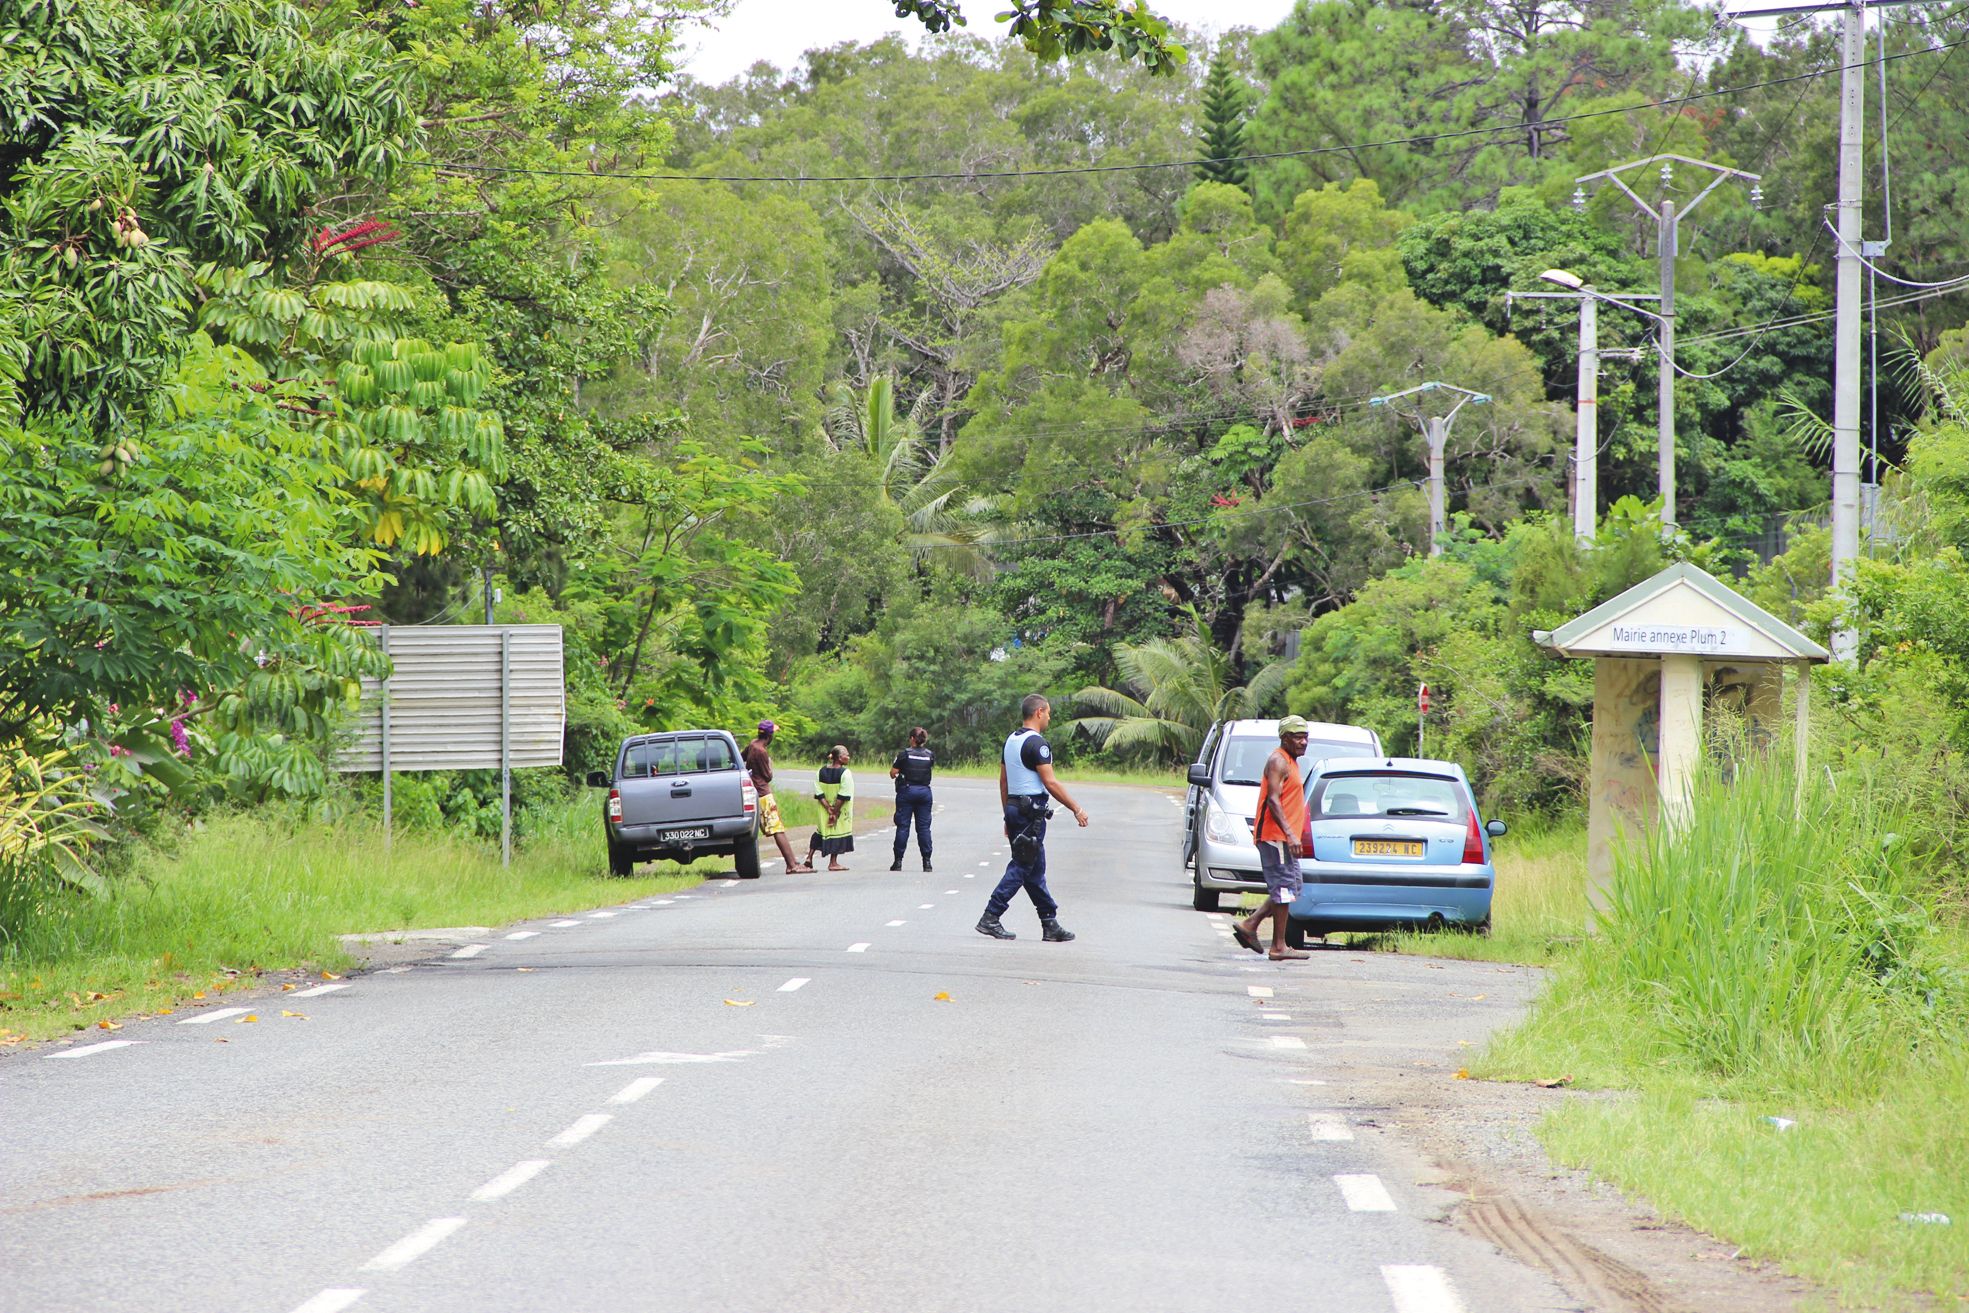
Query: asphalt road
757	1098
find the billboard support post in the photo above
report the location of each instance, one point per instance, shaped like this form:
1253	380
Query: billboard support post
505	748
384	702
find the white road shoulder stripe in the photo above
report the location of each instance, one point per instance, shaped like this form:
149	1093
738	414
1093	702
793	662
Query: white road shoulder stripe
1365	1193
564	925
1288	1042
332	1301
583	1128
317	991
600	916
1420	1289
635	1089
217	1014
471	950
87	1049
1326	1127
893	924
511	1179
1258	991
857	948
794	984
523	934
415	1245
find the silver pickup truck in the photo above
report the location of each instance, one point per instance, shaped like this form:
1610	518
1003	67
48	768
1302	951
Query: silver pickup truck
679	796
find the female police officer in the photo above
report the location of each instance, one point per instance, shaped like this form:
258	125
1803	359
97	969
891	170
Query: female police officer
911	772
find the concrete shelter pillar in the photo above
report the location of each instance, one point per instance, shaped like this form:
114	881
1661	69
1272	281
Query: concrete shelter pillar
1681	734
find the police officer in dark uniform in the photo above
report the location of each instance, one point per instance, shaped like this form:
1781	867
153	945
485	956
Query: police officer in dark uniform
1025	778
911	772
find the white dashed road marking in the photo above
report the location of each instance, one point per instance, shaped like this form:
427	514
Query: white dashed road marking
331	1301
924	907
893	924
1418	1289
217	1014
1365	1194
793	984
1276	1016
1258	991
1288	1042
1326	1127
583	1128
470	950
317	991
523	934
950	891
564	925
599	916
635	1089
87	1049
415	1245
857	948
511	1179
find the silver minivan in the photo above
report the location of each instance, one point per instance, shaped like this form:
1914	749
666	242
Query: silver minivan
1223	799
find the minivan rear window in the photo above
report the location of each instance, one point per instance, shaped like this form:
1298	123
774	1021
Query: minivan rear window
663	757
1359	794
1244	758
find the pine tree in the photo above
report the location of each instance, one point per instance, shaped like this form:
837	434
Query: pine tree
1226	100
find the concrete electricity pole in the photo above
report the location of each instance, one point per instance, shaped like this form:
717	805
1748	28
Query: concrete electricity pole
1586	447
1846	310
1436	429
1668	222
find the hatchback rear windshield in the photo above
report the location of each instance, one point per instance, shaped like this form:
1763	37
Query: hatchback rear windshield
1244	758
1387	793
676	757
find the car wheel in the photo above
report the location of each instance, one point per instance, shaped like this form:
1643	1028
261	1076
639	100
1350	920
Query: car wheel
1296	936
745	858
1203	900
621	861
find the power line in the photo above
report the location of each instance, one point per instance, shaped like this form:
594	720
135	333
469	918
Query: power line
1064	171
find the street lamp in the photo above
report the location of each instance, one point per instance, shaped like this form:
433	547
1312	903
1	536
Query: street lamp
1436	429
1667	233
1586	446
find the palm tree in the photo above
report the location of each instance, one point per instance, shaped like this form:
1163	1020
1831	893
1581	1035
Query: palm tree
940	519
1177	688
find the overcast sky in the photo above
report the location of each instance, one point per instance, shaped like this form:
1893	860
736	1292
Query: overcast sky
782	30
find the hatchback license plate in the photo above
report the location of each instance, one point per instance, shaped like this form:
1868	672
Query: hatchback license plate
1387	847
696	832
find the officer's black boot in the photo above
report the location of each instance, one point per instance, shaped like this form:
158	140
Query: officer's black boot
896	865
991	925
1053	932
926	861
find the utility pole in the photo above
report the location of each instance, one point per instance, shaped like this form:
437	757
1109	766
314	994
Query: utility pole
1435	428
1847	309
1668	221
1586	444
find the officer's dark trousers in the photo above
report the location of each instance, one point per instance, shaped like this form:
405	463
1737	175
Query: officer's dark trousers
913	802
1032	878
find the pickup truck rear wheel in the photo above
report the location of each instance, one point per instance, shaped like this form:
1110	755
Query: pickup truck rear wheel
621	861
745	858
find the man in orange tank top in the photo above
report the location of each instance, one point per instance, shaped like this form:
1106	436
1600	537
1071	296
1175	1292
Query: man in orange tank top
1280	822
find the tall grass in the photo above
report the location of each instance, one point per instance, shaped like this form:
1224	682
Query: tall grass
1775	957
249	893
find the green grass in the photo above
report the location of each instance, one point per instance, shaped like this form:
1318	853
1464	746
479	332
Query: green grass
1773	960
247	894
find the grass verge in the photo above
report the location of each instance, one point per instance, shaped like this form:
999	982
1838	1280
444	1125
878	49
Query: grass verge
251	893
1778	958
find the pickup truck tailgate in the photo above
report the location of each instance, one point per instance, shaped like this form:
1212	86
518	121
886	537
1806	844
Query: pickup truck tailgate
678	780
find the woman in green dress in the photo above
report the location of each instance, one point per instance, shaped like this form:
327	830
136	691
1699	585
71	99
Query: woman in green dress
834	790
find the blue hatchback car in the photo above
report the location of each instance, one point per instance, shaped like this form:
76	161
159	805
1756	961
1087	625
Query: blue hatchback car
1396	844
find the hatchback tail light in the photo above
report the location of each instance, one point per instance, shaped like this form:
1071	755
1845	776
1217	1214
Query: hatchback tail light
749	794
1473	841
615	805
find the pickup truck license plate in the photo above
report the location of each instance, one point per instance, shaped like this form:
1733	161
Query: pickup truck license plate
1387	847
695	832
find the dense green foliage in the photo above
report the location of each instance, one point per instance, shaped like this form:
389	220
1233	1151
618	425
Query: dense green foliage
450	288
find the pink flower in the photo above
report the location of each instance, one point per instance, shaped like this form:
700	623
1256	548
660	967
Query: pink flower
118	750
180	740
